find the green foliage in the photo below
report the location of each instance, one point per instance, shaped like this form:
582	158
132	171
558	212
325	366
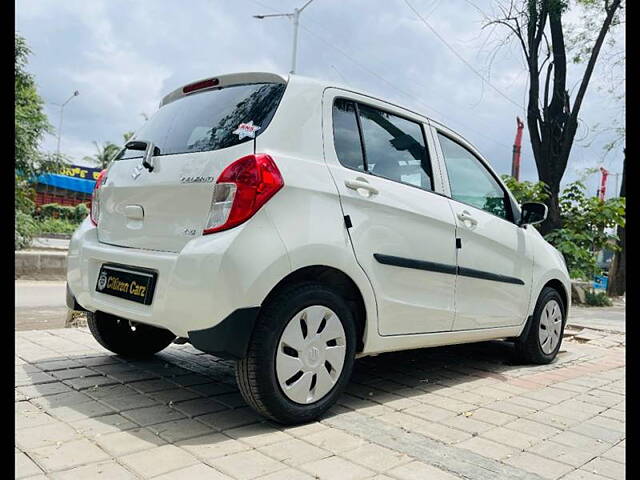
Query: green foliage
105	153
25	230
585	225
597	299
526	191
74	215
586	222
31	123
56	225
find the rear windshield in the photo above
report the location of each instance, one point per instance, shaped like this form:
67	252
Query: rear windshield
206	121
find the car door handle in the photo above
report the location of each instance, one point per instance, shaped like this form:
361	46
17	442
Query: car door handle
360	184
465	216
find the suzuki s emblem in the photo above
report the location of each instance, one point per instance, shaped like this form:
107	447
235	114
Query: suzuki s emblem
314	354
102	281
135	173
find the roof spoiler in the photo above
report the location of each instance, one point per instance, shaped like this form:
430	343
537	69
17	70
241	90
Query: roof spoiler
222	81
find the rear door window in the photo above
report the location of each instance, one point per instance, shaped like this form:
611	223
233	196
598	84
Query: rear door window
206	121
346	137
394	147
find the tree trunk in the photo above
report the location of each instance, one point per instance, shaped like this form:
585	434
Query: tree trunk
616	284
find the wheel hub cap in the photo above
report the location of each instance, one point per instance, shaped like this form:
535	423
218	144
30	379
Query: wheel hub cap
310	354
550	330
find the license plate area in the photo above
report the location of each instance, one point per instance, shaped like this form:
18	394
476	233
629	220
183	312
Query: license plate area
131	283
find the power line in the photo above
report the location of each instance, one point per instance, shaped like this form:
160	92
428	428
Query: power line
398	89
387	82
460	57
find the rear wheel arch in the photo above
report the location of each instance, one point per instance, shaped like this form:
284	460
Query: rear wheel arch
338	281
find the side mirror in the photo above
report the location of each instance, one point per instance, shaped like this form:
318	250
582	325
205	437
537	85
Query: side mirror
532	213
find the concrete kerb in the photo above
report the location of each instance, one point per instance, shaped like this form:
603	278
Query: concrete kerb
40	265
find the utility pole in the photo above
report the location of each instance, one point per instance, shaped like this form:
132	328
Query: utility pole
515	160
75	94
295	15
603	183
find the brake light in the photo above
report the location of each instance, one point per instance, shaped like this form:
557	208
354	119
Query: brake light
211	82
95	197
241	189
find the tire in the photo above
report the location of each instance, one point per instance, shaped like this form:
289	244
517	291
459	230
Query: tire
549	316
266	375
117	335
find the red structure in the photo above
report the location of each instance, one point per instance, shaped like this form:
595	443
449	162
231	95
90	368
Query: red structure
515	161
603	183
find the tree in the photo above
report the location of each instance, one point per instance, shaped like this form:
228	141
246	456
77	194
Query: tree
526	191
552	121
31	124
105	153
586	221
617	277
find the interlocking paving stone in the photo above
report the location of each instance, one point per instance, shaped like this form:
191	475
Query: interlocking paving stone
294	452
450	412
419	471
180	429
544	467
67	455
158	460
43	435
105	470
212	446
151	415
194	472
24	466
246	465
335	467
606	468
431	452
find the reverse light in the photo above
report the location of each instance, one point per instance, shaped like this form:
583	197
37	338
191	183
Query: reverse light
95	197
241	189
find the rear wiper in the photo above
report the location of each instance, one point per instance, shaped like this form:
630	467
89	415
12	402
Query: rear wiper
150	150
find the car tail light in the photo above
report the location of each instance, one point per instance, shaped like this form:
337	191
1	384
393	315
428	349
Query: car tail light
95	197
241	189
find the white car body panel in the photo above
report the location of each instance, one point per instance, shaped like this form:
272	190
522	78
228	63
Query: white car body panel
403	221
204	278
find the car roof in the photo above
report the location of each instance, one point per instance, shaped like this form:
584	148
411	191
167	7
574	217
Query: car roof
301	80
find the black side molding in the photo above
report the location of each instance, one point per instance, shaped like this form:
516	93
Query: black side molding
470	272
230	338
443	268
417	264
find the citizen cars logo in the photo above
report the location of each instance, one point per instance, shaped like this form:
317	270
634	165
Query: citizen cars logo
102	281
196	179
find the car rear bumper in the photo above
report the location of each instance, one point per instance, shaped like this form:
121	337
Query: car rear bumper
197	288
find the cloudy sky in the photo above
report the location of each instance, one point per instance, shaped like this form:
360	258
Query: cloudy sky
124	56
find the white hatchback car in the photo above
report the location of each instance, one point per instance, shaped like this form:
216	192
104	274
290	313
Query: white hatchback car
293	225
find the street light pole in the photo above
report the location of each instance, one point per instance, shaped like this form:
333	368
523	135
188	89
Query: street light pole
75	94
295	15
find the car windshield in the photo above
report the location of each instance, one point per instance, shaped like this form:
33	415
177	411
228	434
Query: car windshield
209	120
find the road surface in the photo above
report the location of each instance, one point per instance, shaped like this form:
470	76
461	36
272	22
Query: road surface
40	304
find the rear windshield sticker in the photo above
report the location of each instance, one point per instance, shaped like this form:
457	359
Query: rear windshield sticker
246	130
